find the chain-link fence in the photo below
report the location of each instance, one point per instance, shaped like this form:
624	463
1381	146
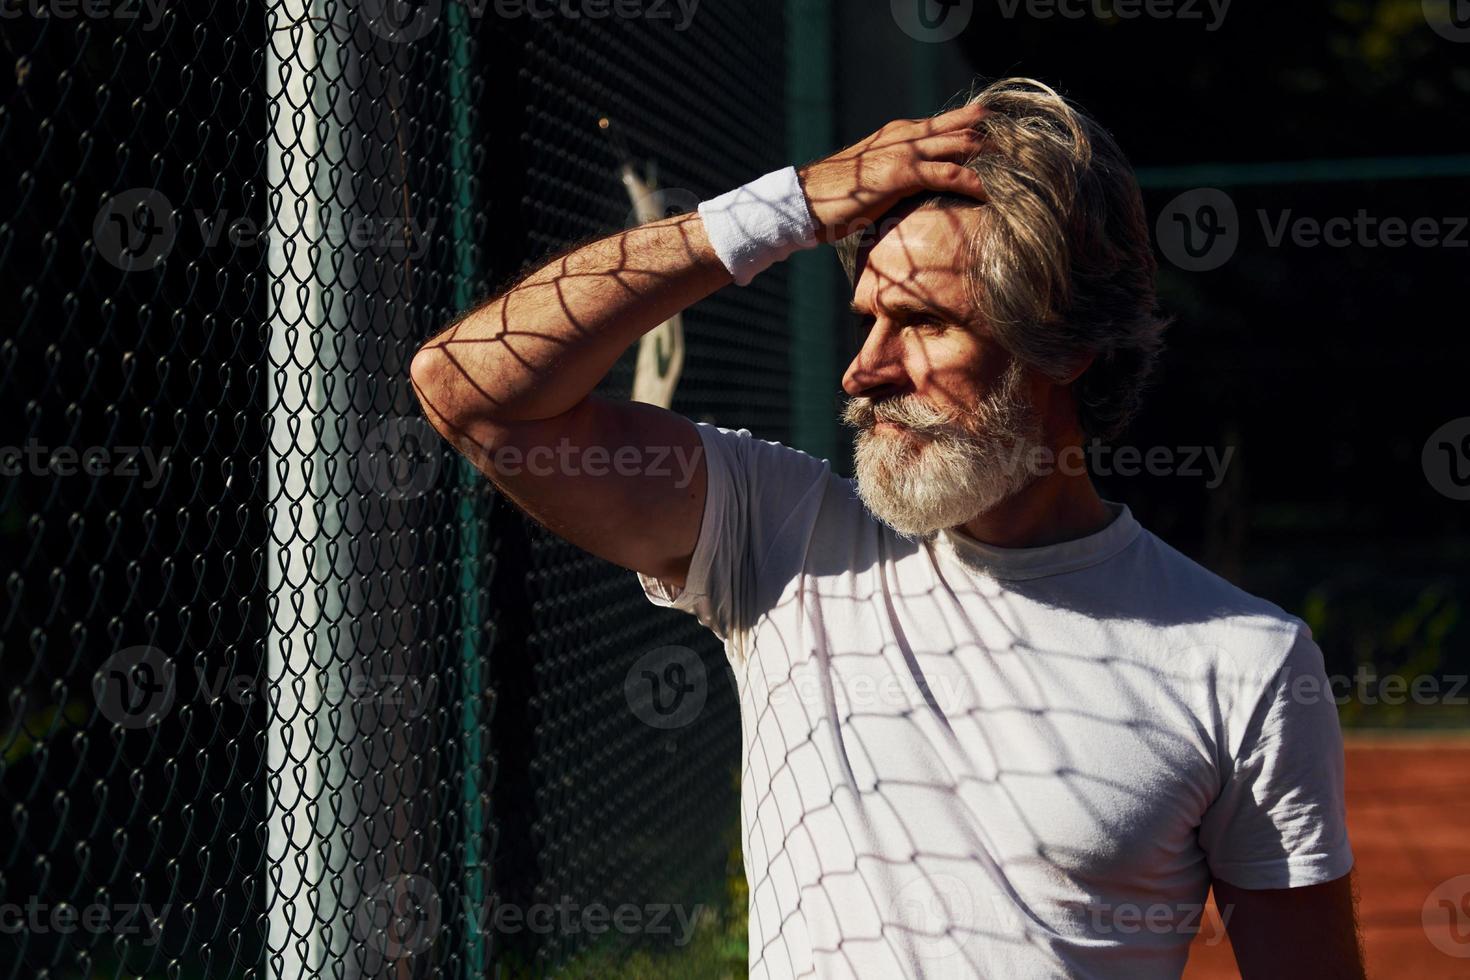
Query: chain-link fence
289	692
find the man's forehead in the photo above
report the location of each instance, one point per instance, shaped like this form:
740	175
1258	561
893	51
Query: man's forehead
922	290
918	259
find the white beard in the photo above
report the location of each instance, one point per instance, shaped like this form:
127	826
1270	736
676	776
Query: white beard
951	466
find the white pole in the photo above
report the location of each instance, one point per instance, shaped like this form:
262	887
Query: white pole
307	820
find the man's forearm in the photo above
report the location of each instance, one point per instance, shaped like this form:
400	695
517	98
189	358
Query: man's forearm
541	347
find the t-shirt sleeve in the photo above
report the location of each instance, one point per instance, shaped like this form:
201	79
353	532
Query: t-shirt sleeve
1280	820
761	498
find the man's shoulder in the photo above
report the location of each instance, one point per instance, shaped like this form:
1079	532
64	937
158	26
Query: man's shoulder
1210	591
775	467
1207	614
762	457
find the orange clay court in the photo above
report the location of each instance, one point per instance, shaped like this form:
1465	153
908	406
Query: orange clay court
1408	801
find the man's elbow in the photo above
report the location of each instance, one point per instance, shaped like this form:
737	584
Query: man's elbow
427	371
433	374
452	402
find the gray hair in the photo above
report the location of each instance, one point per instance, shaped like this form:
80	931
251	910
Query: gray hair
1061	266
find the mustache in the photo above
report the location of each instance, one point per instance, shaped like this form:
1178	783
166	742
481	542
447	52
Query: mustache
862	412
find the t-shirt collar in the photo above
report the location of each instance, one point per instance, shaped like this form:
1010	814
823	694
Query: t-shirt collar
1051	559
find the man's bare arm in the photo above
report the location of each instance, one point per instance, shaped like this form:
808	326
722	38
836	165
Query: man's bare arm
515	375
536	350
513	378
1294	932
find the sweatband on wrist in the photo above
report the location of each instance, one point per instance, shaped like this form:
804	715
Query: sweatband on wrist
759	223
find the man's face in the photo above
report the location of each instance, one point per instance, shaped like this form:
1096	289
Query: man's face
945	416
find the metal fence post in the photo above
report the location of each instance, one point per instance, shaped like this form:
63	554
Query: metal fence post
304	922
814	377
471	557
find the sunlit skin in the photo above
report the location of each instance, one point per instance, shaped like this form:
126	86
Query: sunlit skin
924	337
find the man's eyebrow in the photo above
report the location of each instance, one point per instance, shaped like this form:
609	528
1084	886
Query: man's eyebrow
902	309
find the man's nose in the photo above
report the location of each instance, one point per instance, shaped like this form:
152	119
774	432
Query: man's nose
877	369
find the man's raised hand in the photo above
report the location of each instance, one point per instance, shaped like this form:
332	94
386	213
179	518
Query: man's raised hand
907	156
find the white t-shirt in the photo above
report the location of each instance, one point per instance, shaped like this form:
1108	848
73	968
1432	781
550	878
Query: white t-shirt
968	761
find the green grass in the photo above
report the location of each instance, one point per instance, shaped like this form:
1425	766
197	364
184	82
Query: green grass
717	950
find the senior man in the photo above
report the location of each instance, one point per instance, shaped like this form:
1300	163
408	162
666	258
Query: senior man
992	726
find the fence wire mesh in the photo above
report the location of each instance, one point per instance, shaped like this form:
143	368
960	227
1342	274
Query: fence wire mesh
289	692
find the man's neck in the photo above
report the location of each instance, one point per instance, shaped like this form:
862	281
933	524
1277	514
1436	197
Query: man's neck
1053	508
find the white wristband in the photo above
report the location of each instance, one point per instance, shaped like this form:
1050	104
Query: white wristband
759	223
